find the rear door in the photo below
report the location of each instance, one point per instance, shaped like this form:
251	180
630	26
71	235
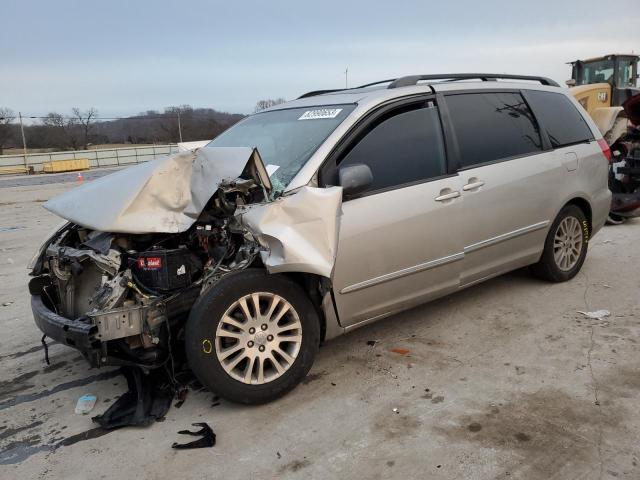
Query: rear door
511	181
400	241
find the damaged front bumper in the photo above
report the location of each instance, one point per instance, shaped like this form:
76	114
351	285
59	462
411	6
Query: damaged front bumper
75	333
96	335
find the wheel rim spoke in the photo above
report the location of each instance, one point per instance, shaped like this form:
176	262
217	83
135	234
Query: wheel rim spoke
229	334
260	370
249	370
284	309
226	353
233	363
287	358
245	308
227	320
258	338
276	363
290	338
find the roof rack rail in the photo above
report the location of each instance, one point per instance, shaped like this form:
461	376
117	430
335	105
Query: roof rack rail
452	77
313	93
414	79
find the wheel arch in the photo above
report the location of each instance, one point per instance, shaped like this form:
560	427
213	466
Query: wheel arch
585	206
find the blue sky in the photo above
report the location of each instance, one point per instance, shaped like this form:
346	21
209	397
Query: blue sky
123	57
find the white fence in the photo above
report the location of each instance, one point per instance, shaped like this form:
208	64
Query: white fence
106	157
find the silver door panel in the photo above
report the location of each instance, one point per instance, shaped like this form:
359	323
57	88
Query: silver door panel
507	216
398	249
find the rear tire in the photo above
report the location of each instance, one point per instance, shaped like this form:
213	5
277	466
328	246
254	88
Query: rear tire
250	354
565	247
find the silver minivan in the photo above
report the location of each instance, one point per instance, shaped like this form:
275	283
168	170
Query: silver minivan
319	216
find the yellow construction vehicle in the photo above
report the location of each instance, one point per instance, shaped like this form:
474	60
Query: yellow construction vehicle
602	85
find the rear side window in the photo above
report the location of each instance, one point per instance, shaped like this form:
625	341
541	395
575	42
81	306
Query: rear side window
492	126
560	118
404	147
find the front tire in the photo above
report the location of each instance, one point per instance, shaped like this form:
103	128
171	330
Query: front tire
565	247
252	337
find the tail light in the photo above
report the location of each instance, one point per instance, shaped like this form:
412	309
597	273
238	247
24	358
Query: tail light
605	149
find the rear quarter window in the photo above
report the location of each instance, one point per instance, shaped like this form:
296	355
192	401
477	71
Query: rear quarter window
560	118
492	126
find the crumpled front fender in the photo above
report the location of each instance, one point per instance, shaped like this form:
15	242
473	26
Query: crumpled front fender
299	231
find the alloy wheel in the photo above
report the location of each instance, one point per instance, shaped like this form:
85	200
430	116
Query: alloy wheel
258	338
568	243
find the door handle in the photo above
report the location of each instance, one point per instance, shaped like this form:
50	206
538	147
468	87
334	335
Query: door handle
473	185
447	196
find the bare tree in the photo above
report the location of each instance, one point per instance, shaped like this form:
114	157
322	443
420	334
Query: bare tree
85	121
6	117
268	103
59	132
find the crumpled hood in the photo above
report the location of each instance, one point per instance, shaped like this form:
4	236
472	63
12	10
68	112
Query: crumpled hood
165	195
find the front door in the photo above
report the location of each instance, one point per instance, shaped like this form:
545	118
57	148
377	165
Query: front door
400	241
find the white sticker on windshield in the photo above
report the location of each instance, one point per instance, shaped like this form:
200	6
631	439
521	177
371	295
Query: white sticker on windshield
320	113
271	169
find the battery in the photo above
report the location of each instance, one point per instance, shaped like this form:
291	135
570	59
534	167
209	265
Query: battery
164	270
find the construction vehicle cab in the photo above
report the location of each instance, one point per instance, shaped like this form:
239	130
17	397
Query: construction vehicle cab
604	81
601	85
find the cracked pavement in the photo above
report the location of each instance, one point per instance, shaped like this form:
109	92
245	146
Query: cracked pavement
503	380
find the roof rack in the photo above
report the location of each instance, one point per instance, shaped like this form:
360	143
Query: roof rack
451	77
414	79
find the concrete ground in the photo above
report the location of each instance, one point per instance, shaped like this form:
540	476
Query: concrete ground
504	380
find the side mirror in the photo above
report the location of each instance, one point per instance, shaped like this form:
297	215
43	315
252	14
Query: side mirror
355	178
570	83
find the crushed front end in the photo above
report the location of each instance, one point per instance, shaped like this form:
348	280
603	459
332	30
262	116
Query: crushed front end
119	298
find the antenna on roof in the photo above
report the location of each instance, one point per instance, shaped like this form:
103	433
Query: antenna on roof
346	78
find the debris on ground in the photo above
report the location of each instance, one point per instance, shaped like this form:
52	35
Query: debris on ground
6	304
400	351
208	438
147	399
372	343
395	410
596	315
85	404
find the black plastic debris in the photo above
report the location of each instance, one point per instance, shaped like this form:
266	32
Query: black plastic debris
147	399
46	349
208	438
